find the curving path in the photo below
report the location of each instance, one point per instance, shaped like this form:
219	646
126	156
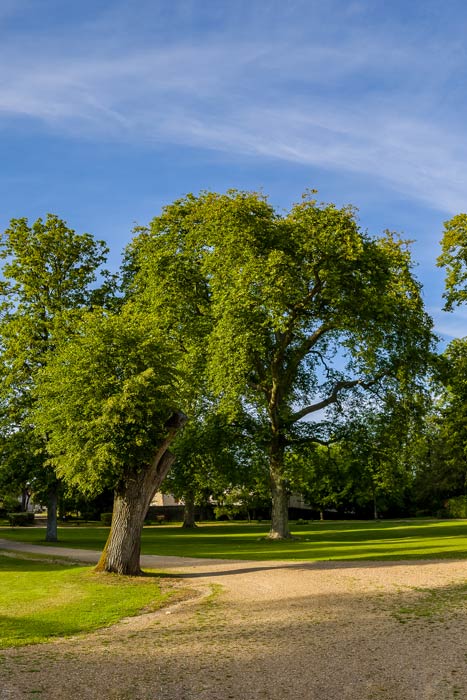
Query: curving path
266	630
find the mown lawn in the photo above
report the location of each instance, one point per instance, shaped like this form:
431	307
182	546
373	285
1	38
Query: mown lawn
344	540
42	599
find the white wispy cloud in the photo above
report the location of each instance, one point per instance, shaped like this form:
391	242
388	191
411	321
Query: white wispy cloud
450	325
359	102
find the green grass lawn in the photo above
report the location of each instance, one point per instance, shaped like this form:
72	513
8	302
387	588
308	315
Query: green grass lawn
340	540
41	599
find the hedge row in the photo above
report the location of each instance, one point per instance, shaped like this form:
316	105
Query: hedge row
20	518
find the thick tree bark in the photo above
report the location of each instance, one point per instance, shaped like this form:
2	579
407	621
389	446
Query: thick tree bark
280	507
280	497
52	502
122	550
121	554
189	512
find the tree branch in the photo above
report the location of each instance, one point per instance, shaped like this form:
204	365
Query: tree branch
333	397
305	347
163	459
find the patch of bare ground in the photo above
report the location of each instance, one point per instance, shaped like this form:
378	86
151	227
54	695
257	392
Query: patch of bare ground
270	631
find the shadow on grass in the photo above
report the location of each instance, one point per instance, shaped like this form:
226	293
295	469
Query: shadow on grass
35	630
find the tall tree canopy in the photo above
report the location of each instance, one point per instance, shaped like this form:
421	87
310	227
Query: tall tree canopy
452	414
49	275
291	314
454	259
109	402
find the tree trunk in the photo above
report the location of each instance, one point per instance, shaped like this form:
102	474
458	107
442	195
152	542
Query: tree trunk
280	510
280	497
122	550
25	498
375	506
279	493
52	502
321	514
121	554
189	512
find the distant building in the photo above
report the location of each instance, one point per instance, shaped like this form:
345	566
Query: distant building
165	499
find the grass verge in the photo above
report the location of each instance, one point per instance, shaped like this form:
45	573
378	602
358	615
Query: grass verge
316	541
41	599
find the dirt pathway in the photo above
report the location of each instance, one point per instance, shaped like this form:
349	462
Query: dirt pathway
269	631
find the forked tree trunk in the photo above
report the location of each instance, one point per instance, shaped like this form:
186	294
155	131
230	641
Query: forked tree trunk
121	554
52	502
122	550
189	512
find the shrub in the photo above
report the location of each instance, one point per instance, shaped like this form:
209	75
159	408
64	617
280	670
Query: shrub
456	507
442	513
90	515
20	519
106	518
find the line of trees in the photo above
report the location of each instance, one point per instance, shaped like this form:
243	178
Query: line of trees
295	347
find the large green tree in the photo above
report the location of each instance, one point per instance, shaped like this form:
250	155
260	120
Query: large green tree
49	276
291	313
454	259
451	423
322	474
213	458
378	446
109	401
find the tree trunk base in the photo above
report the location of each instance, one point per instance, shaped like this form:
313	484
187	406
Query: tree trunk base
278	536
103	567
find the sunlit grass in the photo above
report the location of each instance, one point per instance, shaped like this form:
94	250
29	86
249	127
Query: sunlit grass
42	599
339	540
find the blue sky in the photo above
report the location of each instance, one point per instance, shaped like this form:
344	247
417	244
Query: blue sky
109	109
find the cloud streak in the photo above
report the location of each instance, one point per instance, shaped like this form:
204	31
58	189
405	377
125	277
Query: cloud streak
360	103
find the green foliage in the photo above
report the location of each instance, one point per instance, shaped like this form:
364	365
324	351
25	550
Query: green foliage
215	458
241	501
20	519
379	447
446	445
441	447
291	314
456	507
322	474
439	462
10	503
281	293
49	277
103	399
106	518
454	259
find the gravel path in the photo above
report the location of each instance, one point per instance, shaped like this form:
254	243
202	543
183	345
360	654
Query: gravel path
269	631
